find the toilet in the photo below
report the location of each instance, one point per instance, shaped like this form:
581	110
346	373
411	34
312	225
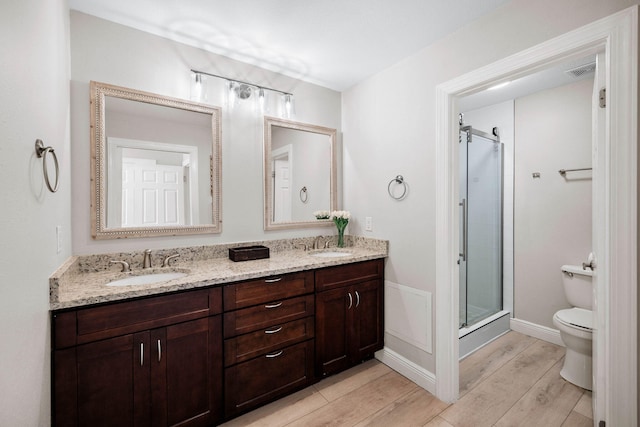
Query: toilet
576	325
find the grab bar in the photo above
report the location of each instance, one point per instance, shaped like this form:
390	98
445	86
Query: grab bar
563	172
463	254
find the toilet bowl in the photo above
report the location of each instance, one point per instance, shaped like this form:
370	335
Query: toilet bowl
576	326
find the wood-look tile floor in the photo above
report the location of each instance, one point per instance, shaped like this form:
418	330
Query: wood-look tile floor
513	381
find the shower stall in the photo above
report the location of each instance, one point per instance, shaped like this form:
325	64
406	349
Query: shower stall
481	208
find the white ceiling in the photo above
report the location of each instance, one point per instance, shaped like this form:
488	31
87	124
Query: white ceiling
548	78
333	43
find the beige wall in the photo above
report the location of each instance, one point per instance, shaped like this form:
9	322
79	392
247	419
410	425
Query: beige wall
552	214
34	89
389	128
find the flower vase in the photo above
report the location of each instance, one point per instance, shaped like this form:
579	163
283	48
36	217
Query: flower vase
341	226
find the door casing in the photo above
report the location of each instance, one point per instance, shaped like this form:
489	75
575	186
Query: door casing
615	223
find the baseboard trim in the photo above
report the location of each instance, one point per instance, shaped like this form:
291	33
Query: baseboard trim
537	331
417	374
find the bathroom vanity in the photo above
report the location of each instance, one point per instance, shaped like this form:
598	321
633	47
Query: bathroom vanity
196	351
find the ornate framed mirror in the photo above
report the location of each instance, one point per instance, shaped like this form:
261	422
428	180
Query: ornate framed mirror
155	165
299	173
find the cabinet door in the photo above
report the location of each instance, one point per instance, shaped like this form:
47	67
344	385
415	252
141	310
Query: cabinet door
112	382
368	334
181	362
267	377
333	312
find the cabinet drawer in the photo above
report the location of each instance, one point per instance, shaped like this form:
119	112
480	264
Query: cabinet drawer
245	294
260	380
344	275
248	346
267	315
126	317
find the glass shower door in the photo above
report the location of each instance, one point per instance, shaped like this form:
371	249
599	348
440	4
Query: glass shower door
480	226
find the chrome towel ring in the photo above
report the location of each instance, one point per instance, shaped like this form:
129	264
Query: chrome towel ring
41	151
304	196
398	180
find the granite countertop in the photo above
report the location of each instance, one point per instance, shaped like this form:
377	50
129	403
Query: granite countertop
81	281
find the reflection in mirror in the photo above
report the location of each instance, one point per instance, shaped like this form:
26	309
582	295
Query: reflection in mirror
300	173
156	168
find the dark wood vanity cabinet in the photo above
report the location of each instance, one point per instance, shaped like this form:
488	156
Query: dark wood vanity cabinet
200	357
152	362
349	315
269	346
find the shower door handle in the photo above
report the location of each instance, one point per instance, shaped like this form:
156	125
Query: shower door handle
463	254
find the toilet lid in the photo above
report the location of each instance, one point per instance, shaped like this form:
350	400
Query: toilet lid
578	317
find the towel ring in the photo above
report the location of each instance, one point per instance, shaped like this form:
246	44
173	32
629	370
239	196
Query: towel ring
304	196
398	180
41	151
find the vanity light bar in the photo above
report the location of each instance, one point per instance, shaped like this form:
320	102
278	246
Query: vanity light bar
197	73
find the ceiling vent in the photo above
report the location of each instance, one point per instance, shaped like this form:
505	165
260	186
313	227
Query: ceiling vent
582	70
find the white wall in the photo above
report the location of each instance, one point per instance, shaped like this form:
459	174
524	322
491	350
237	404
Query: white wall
552	213
389	129
111	53
34	89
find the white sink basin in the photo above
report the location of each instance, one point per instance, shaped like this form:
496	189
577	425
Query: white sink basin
146	279
331	254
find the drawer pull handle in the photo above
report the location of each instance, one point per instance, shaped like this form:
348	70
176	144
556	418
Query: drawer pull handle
276	305
272	355
273	331
141	354
357	299
277	279
159	351
350	300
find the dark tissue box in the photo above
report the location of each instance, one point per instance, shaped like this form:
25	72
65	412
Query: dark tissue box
248	253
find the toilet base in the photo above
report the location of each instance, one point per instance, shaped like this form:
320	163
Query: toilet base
577	369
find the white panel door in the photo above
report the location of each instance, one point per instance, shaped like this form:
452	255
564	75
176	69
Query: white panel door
152	194
282	191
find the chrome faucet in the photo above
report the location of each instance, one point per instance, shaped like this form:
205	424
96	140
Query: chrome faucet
146	262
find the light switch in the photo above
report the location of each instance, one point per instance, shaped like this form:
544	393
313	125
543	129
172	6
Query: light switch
368	224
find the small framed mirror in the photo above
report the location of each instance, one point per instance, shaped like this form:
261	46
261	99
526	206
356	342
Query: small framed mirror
299	173
155	164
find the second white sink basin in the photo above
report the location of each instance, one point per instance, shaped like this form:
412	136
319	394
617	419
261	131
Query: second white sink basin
147	279
331	254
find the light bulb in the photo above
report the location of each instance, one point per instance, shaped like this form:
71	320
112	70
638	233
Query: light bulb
197	91
261	99
288	106
231	97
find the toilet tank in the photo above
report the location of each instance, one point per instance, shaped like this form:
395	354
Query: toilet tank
578	286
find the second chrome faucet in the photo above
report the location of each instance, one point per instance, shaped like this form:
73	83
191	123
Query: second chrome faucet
146	261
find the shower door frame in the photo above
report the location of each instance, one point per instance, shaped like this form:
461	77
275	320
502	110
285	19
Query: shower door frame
615	179
470	131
